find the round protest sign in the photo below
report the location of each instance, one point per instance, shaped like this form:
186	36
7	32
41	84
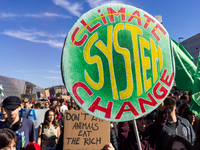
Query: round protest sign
117	62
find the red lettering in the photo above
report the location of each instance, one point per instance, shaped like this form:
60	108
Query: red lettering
122	109
82	85
162	90
150	103
138	18
148	21
165	81
78	43
90	29
95	105
121	10
154	31
103	19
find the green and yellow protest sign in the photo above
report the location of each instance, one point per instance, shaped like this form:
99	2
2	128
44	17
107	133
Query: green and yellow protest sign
117	62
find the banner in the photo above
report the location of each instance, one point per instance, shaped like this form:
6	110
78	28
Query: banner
195	102
36	115
83	131
185	68
117	62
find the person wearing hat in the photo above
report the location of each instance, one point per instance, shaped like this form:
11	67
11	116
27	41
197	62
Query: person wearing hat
24	128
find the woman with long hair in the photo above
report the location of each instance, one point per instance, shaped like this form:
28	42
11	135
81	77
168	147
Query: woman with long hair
49	131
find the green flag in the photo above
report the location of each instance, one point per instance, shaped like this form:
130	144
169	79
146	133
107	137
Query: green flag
185	68
195	103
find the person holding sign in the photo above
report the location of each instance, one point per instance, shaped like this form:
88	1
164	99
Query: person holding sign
147	135
49	131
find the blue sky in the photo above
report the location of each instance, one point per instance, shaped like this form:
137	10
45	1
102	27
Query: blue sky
32	32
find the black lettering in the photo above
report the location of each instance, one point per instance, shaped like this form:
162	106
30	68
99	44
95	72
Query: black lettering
97	127
85	133
89	126
75	126
89	133
68	139
92	141
73	141
98	140
85	114
80	133
79	125
84	126
68	116
72	117
77	141
86	140
94	118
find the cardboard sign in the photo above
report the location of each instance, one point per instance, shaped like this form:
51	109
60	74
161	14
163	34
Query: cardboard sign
27	97
83	131
47	94
117	62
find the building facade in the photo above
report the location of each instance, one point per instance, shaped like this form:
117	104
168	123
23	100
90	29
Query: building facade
192	45
16	87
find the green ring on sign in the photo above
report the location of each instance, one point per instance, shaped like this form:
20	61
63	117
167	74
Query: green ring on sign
117	62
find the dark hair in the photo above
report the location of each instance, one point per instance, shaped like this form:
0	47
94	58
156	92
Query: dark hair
186	113
46	122
169	101
149	117
181	108
171	139
184	97
62	100
6	136
53	99
176	93
37	105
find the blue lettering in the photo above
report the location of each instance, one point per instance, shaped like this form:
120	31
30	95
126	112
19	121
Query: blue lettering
21	112
33	114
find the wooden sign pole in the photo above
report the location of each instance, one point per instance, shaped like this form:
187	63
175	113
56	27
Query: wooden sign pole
136	134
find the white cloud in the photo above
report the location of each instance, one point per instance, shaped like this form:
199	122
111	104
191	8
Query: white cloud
52	77
7	15
95	3
27	71
40	15
24	71
52	71
28	75
20	70
37	37
73	8
58	66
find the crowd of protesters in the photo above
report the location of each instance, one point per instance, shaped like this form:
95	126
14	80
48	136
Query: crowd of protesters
172	126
